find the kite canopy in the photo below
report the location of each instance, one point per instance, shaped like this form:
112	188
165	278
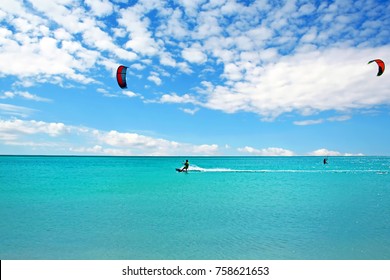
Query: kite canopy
121	76
381	66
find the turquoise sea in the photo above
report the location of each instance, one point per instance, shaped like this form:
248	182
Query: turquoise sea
277	208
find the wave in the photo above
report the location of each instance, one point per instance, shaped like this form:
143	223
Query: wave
228	170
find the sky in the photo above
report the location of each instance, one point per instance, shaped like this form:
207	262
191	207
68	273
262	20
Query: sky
217	77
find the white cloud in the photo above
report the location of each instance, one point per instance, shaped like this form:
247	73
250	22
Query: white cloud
305	83
55	138
146	145
140	38
270	61
100	7
339	118
13	110
31	144
155	79
266	151
44	44
138	66
191	6
59	138
99	150
194	55
205	149
104	91
34	97
319	121
23	94
129	93
167	60
232	72
175	26
7	94
44	58
174	98
183	66
325	152
207	25
309	122
17	126
190	111
310	36
306	9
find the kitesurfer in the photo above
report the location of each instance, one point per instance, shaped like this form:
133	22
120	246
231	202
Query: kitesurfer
325	160
185	167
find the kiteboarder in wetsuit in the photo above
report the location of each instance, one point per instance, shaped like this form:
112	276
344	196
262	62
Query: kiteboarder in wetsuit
185	167
325	160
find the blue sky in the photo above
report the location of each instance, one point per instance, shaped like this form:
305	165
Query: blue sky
221	77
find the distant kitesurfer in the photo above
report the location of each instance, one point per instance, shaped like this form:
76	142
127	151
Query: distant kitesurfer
185	167
325	161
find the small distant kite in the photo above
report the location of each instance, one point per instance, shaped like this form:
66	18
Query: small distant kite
381	66
121	76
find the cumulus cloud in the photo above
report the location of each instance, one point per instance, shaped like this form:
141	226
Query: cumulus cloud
55	137
138	66
194	55
174	98
18	126
326	152
154	77
306	83
266	151
99	150
146	145
44	58
267	58
174	27
205	149
100	7
54	53
140	38
130	93
191	7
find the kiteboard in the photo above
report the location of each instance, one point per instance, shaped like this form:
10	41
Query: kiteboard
179	170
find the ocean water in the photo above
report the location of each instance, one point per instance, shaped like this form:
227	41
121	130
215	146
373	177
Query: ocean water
277	208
